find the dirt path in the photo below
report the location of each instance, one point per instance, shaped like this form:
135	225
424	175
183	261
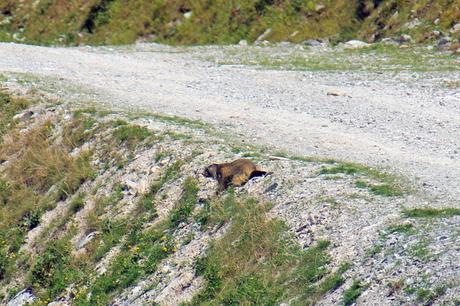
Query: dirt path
411	127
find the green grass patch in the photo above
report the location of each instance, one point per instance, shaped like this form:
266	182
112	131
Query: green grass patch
420	250
181	121
77	203
10	106
41	173
386	190
387	186
377	58
78	131
331	282
186	204
171	173
351	294
131	135
431	212
141	250
257	262
429	296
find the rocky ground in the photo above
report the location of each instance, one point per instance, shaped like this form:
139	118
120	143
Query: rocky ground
401	119
407	126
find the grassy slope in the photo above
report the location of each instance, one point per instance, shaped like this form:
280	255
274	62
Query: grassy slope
41	172
221	22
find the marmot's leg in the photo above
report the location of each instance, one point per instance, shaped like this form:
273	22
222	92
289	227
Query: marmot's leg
239	180
223	184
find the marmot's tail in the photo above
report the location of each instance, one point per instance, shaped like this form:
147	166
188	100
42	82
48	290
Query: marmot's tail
256	173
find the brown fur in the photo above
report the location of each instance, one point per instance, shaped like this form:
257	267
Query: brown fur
236	173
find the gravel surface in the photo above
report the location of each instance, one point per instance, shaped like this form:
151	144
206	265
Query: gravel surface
399	260
407	122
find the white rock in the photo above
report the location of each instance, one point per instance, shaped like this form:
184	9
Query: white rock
405	38
243	43
413	24
24	297
455	29
188	14
264	34
86	239
356	44
319	7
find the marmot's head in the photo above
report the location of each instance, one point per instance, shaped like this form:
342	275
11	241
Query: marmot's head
210	171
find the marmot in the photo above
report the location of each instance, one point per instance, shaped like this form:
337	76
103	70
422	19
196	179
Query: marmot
236	173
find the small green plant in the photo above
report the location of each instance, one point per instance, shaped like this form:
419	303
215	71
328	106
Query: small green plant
77	203
333	281
386	190
186	203
428	212
10	106
169	174
428	296
357	169
361	184
79	172
77	131
180	121
351	294
420	250
131	134
375	249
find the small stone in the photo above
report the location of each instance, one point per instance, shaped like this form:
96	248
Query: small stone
264	35
413	24
188	14
455	29
261	43
389	41
356	44
24	116
24	297
319	8
86	239
243	43
443	41
404	38
284	44
436	33
312	42
271	187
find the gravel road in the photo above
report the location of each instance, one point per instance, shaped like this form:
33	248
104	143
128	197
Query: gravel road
405	122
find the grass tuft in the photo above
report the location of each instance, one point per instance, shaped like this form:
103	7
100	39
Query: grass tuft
428	212
186	204
351	294
131	135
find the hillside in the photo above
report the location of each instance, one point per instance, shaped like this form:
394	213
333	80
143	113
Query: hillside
223	22
103	207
